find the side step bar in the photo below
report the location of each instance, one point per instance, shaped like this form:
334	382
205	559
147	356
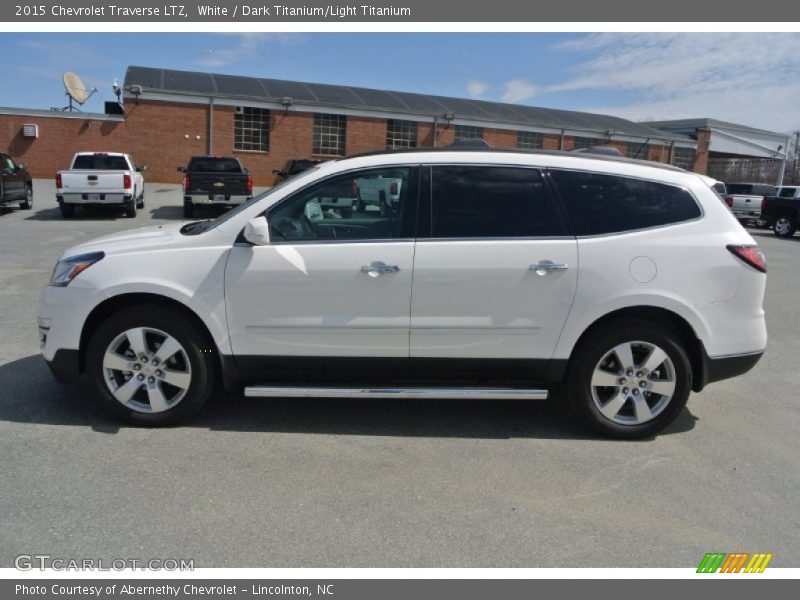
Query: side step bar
260	391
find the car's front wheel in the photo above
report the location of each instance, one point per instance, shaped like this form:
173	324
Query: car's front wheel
629	379
27	204
151	365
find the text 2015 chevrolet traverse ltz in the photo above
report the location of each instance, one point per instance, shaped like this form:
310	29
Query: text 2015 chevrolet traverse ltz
494	275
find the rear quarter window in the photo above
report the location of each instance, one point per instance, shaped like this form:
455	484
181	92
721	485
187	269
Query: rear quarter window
598	204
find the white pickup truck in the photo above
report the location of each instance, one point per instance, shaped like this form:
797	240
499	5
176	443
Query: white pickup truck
745	200
383	192
100	178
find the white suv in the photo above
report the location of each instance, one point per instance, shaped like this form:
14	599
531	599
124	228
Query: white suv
498	275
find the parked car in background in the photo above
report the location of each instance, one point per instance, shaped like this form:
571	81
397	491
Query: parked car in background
101	179
782	212
215	180
295	166
381	192
499	275
16	186
745	199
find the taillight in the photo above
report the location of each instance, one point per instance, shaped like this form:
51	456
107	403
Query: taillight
729	202
753	255
186	183
249	184
58	180
393	188
763	203
126	181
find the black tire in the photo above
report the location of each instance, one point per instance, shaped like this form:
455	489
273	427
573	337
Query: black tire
784	226
67	210
597	345
140	203
198	348
27	204
188	209
130	209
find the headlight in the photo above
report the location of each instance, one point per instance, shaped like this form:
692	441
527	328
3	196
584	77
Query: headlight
68	269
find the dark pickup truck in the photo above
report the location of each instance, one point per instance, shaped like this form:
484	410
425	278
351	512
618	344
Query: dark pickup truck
15	183
214	180
782	212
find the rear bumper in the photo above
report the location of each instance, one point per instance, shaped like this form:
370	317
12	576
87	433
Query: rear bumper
210	199
725	367
94	198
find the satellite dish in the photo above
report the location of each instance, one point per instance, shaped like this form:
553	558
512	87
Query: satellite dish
76	90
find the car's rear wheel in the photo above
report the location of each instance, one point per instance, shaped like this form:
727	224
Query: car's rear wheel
188	209
151	365
784	226
27	204
629	379
130	209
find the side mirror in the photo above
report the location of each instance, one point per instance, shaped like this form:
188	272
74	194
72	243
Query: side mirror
181	169
277	172
141	168
257	231
21	166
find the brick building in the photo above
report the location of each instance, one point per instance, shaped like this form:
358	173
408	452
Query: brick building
172	115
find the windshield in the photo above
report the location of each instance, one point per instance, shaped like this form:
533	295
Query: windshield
203	226
212	164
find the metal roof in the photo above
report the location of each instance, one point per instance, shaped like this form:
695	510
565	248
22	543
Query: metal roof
706	123
401	103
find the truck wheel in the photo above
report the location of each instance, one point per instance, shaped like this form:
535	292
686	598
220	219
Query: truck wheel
67	210
130	209
188	209
27	204
151	365
629	379
784	226
140	204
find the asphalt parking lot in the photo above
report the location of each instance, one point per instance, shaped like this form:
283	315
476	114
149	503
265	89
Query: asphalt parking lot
358	483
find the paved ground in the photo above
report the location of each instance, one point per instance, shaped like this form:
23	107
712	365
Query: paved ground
380	483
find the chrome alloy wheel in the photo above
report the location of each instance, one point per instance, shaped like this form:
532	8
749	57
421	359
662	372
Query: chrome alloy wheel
633	383
783	226
147	370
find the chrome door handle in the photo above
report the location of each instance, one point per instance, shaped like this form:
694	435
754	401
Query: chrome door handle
546	266
379	268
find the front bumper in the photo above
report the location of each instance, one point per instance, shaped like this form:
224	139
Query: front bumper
65	366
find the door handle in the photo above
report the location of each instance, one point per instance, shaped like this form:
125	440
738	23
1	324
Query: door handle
379	268
544	267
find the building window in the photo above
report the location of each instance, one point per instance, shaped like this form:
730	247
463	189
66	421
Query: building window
683	158
637	150
251	129
401	134
329	134
581	143
466	132
529	140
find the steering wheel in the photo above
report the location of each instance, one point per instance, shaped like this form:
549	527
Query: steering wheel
295	229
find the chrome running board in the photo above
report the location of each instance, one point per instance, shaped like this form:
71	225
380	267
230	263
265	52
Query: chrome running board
260	391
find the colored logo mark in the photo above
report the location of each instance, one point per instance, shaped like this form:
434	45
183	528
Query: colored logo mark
737	562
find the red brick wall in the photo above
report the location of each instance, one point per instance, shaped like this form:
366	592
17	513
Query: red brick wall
163	135
59	139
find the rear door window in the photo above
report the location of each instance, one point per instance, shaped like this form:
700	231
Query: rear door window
598	204
490	202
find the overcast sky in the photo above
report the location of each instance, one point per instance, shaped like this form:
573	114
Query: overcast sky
753	79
